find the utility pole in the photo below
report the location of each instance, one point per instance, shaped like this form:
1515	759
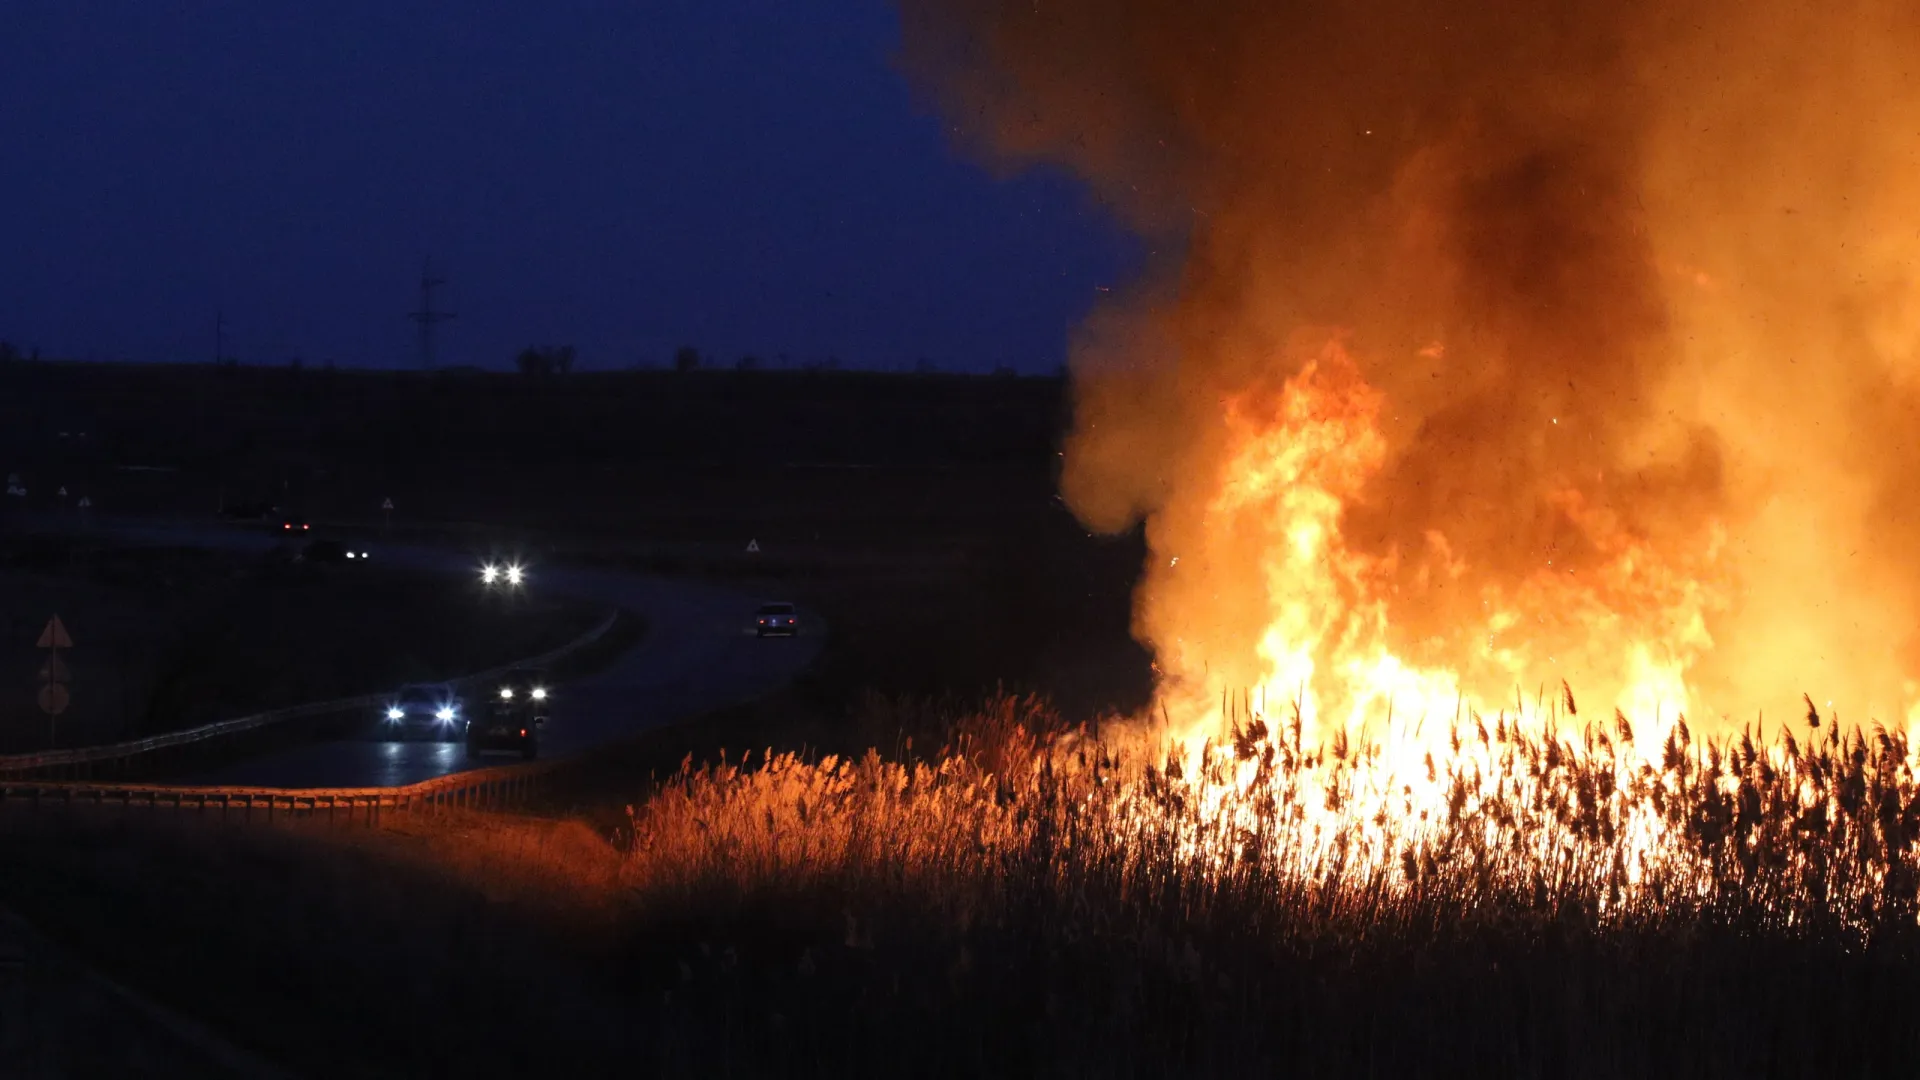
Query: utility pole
426	316
219	337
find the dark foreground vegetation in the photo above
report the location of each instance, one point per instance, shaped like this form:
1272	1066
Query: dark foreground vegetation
1011	907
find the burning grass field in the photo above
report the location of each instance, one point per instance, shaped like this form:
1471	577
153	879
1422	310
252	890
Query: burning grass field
1570	911
1044	898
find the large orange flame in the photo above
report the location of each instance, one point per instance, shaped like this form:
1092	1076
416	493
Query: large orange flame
1624	395
1627	627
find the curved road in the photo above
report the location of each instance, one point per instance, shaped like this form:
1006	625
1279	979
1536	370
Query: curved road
699	653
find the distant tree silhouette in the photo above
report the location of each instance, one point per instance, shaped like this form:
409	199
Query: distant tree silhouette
538	361
1004	371
8	354
924	366
533	361
686	358
747	362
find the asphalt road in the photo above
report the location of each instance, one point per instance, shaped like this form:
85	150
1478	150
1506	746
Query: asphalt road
700	653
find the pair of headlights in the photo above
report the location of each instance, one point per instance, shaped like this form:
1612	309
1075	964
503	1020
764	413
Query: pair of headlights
537	693
493	575
445	712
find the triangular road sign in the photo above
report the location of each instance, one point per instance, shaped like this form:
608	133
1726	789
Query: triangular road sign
55	635
62	493
386	504
85	503
753	547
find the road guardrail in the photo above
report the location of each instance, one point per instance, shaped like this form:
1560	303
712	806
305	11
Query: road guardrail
85	761
475	789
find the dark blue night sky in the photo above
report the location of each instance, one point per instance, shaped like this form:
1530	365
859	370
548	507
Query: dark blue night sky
742	175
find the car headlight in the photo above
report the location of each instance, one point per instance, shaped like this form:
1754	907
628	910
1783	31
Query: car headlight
540	695
514	575
445	713
506	693
394	713
489	574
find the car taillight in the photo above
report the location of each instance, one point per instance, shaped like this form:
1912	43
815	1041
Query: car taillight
523	733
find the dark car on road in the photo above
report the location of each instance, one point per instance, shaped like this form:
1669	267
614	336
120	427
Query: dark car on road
512	716
331	551
777	620
293	523
429	710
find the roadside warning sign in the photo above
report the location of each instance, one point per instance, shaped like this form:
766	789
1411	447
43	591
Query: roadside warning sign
753	547
85	503
386	504
62	493
54	699
55	635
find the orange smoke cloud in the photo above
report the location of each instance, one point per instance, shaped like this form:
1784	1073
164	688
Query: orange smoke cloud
1502	345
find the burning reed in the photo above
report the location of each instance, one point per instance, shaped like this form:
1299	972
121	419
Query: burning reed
1259	899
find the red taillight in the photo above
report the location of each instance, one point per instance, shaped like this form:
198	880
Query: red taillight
286	526
306	526
523	732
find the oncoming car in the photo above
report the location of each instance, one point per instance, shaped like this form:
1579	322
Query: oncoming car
430	710
332	551
515	711
777	619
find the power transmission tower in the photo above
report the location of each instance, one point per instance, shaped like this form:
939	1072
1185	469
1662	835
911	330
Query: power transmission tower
426	316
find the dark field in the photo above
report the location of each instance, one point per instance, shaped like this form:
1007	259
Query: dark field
917	513
836	463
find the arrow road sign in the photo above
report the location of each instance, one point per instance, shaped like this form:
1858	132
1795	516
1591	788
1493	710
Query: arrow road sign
55	669
55	635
